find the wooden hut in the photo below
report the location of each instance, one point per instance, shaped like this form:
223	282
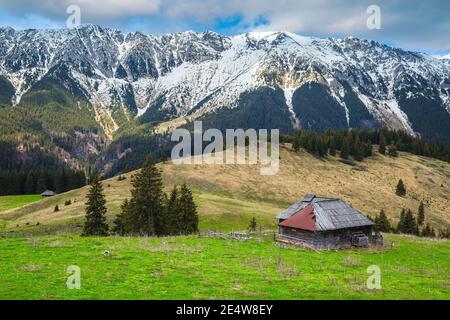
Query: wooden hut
323	223
48	194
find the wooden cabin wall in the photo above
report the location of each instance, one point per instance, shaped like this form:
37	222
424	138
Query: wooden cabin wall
327	239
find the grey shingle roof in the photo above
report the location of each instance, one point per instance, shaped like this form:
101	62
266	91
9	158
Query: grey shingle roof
48	193
331	214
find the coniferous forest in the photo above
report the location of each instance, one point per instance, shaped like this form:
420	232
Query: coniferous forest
357	143
34	172
36	182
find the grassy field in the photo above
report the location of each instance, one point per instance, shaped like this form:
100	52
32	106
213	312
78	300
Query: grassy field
12	202
228	196
210	268
37	244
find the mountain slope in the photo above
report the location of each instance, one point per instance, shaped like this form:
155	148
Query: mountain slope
326	82
229	196
6	92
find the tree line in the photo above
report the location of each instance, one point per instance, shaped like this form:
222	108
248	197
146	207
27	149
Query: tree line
409	223
36	182
357	143
149	212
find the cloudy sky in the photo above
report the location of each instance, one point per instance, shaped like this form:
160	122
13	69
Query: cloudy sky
410	24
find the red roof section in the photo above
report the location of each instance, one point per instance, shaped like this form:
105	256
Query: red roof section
303	219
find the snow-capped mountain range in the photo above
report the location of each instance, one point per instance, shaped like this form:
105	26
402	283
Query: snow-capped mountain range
194	74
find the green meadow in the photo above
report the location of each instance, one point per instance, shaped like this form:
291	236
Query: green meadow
12	202
37	244
212	268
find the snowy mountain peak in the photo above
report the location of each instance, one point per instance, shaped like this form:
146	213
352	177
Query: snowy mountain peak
197	73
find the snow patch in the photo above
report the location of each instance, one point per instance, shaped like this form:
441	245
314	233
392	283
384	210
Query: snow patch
288	94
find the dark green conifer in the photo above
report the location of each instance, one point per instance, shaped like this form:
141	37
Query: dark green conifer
401	189
421	214
188	211
95	224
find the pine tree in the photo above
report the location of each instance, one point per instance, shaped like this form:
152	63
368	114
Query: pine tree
188	211
119	227
401	189
368	152
359	150
421	214
332	146
410	225
46	181
253	225
428	232
173	217
382	222
345	149
444	233
401	223
383	143
3	184
296	144
145	209
30	185
95	224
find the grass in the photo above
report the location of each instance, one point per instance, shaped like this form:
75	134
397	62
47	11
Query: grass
37	244
209	268
228	196
12	202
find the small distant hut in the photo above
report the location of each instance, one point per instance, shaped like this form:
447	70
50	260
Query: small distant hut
48	194
323	223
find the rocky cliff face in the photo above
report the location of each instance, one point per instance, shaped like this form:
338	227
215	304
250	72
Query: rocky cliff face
323	82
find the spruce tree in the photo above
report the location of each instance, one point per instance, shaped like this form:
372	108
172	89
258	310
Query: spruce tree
30	185
410	225
253	225
421	214
428	232
345	149
332	146
296	144
401	223
383	143
359	150
172	219
145	209
95	224
188	211
368	151
444	233
119	227
42	184
382	222
401	189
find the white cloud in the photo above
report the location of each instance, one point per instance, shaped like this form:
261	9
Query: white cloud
407	23
104	9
